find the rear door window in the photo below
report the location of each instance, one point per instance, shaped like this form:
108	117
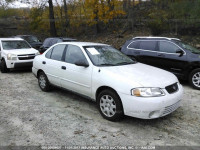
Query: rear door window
134	45
48	54
148	45
167	47
58	51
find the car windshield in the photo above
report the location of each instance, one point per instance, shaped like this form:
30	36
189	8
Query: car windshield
107	56
188	47
31	39
10	45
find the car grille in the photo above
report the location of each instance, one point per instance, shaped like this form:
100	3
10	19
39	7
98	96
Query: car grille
26	56
170	108
172	88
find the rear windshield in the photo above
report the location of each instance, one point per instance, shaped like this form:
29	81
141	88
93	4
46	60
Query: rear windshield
31	39
10	45
49	42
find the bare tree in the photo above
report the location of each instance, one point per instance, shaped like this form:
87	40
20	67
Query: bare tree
66	13
52	19
125	5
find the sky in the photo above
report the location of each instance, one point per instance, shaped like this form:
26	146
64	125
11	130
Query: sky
18	5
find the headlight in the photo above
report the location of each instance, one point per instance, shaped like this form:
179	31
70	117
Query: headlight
38	53
12	57
147	92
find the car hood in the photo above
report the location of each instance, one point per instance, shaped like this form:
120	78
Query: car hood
144	75
21	51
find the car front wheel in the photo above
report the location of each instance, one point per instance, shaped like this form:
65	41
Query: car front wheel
110	105
195	78
43	82
4	68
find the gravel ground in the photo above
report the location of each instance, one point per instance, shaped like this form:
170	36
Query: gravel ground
29	116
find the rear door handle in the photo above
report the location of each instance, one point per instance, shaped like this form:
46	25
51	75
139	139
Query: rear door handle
63	67
44	62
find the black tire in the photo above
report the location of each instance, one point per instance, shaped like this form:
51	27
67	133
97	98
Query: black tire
4	68
43	82
114	102
195	74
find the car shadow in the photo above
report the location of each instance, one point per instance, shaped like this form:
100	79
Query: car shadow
125	121
72	95
184	82
92	105
151	122
23	70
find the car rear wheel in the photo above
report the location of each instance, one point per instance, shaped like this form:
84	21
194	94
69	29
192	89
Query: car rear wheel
110	105
43	82
4	68
195	78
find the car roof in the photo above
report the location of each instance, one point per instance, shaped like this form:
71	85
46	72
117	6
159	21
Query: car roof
155	38
60	38
11	39
65	39
84	43
25	35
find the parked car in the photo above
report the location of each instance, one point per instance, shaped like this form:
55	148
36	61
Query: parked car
48	42
118	84
32	40
15	53
170	54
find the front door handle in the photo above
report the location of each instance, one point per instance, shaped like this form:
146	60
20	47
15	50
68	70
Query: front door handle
44	62
63	67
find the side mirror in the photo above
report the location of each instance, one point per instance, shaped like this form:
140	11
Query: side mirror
179	51
82	63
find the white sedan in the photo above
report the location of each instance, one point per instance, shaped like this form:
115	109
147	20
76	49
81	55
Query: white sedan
119	85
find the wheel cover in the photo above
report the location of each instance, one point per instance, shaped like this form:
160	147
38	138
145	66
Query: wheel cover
108	106
196	79
42	81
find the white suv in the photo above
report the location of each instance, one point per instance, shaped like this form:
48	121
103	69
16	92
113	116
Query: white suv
118	84
15	53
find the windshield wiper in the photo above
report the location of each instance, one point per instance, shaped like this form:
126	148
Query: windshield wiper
106	64
125	63
195	52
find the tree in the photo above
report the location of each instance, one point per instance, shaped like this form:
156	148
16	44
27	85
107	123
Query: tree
66	13
52	19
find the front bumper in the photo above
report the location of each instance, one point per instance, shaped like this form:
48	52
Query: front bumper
19	64
23	65
151	107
